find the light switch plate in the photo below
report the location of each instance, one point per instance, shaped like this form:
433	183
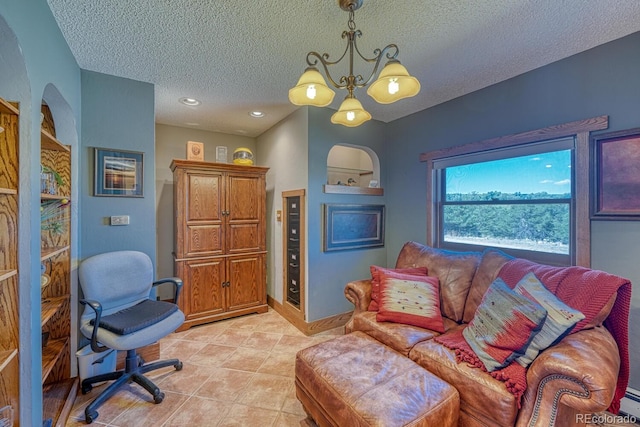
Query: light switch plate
120	220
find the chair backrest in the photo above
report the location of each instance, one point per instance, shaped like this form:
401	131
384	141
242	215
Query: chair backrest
116	280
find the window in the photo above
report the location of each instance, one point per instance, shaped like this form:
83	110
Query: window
526	193
518	199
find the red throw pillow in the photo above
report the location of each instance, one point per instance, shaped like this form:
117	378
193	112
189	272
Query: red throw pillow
410	299
375	280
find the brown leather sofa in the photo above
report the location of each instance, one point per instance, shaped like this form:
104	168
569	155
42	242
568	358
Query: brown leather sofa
580	375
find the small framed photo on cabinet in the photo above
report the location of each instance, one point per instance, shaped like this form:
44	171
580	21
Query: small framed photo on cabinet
195	151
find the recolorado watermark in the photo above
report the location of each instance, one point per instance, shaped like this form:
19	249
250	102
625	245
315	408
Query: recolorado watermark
605	419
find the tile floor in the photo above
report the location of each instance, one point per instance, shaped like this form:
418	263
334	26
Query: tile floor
237	372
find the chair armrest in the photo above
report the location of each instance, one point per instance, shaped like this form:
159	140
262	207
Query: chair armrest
177	286
581	372
97	308
358	292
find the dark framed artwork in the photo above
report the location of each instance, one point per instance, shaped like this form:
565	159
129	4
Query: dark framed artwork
118	173
353	227
616	175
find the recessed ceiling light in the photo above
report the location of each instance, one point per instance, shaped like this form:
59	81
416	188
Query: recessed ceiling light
191	102
256	114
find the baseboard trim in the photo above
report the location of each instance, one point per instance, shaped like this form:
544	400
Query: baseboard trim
630	403
310	328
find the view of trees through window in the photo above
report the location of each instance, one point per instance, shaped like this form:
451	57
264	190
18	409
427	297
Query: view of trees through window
520	202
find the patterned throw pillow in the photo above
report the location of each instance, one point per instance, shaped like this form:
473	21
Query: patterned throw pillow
375	281
502	325
410	299
559	322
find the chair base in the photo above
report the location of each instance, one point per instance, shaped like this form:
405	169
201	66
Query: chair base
134	371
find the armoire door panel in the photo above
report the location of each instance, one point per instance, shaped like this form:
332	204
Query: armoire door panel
245	198
247	281
204	197
244	237
204	240
204	294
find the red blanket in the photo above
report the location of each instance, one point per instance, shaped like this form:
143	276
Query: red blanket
581	288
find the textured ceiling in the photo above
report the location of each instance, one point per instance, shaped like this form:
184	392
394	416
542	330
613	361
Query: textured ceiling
238	56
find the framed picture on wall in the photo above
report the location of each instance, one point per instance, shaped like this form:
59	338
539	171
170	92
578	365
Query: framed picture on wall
118	173
353	227
616	175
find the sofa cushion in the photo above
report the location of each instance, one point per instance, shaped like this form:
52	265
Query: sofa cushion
455	271
410	299
490	264
559	321
482	397
398	336
375	281
503	325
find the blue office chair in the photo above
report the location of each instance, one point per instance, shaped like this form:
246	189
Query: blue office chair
119	315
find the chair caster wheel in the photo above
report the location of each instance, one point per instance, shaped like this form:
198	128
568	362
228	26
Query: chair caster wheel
178	366
90	416
86	388
158	397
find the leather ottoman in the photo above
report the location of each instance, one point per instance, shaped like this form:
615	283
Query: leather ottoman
354	380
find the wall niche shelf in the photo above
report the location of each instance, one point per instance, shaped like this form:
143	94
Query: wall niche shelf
353	169
345	189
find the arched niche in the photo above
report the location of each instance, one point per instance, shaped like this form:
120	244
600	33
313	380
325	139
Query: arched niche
353	169
62	113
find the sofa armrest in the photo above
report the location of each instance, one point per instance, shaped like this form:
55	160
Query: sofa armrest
358	292
572	379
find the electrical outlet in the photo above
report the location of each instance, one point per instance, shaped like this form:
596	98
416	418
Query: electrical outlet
120	220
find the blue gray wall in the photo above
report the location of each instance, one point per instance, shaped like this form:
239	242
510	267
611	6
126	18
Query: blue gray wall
117	114
602	81
328	272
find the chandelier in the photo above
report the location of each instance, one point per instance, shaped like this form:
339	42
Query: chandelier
393	83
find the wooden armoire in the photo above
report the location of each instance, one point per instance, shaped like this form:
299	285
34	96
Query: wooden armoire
220	241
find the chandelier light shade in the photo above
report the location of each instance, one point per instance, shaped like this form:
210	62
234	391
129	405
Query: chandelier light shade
393	83
351	113
311	90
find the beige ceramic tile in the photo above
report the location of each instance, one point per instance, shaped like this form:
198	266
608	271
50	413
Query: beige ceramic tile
127	396
246	359
148	413
212	355
225	384
262	340
237	372
182	349
292	420
233	337
267	391
187	380
198	411
279	363
244	416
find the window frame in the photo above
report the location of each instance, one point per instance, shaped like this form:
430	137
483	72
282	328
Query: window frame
559	144
581	226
